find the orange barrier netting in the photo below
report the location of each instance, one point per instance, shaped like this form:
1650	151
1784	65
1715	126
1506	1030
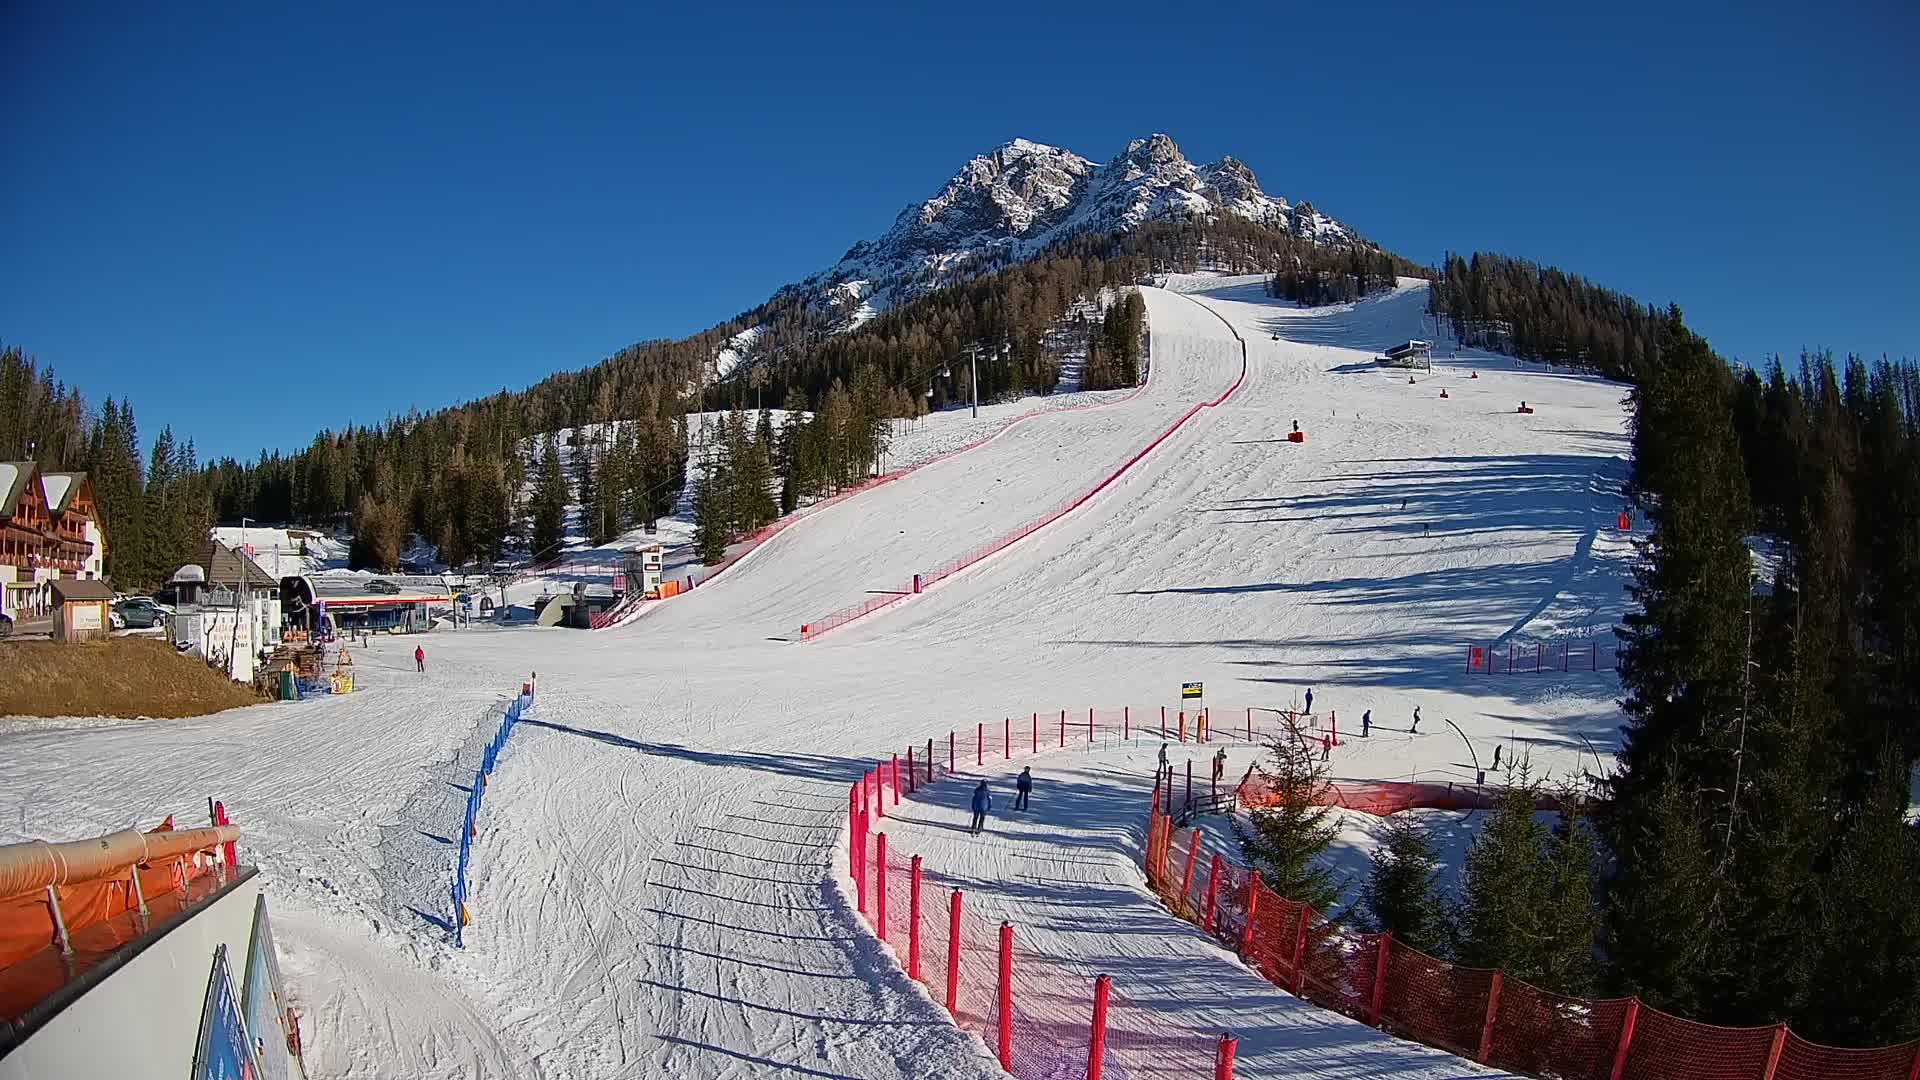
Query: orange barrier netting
1476	1013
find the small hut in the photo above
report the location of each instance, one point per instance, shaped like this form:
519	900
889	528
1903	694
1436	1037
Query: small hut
80	608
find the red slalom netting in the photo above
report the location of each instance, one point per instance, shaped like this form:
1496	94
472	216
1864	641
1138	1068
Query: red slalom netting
1542	658
952	566
1476	1013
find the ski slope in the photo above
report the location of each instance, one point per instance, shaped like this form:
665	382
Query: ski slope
653	888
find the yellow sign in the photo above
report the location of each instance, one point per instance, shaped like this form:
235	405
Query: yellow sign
1189	690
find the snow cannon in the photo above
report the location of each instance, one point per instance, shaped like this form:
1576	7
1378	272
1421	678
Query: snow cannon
1409	380
1443	393
1473	374
1296	435
1626	523
1525	408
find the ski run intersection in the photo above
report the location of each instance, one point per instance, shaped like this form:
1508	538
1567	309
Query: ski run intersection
658	882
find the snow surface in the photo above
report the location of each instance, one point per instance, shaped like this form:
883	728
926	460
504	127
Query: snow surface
654	888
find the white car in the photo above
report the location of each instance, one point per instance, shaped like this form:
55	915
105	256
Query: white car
116	620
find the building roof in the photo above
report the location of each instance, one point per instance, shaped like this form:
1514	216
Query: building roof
225	566
14	477
65	589
61	487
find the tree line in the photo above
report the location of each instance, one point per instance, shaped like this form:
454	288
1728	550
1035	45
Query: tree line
1334	276
155	507
1747	860
1522	309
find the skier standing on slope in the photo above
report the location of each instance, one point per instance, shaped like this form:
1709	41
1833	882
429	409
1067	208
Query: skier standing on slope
982	802
1366	724
1024	787
419	658
1309	701
1415	729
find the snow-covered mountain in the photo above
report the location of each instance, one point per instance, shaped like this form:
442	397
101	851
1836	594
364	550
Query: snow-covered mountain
1012	203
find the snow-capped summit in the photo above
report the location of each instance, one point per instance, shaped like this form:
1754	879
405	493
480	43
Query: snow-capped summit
1011	203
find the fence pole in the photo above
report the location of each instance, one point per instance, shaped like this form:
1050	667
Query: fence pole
853	823
953	955
879	792
1089	723
1915	1073
1249	724
1163	721
913	776
930	758
1097	1042
1380	978
1126	722
1626	1040
1773	1052
1213	891
1493	1011
1006	996
896	779
1006	738
1183	725
1193	852
1253	903
913	924
950	768
1223	1057
880	886
979	744
1189	782
1300	954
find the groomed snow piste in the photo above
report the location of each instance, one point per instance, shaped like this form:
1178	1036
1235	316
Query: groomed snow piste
653	887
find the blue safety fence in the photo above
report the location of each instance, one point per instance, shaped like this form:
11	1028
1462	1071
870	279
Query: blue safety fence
488	759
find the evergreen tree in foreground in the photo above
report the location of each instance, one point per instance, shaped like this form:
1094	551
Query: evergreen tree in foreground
710	500
1399	896
1285	841
549	504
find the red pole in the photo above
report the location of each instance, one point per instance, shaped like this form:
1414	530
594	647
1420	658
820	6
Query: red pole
913	923
1380	978
880	886
1036	733
1097	1043
1773	1052
1253	904
1914	1075
1193	852
860	879
953	955
896	778
1006	737
879	793
1493	1010
950	768
1249	723
1126	722
1223	1058
1063	727
979	744
912	776
1183	725
1006	996
1163	721
1089	723
1213	891
853	831
220	818
1300	953
1626	1041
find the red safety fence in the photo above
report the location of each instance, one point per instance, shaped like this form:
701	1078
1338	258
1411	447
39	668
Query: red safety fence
1042	1016
1475	1013
834	619
1544	657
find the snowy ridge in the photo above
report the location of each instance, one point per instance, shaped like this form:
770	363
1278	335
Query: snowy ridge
1012	203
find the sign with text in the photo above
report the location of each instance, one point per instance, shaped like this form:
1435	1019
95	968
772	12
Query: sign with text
1190	691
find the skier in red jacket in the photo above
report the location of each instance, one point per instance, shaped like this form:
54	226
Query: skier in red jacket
419	658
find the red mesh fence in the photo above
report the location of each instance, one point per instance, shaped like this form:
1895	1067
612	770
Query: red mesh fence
1541	658
1475	1013
927	578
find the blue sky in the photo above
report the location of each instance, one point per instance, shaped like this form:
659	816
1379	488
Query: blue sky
261	221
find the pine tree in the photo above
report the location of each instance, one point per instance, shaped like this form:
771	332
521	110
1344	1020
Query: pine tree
711	535
1285	841
1869	927
1570	923
1507	888
605	517
1660	950
1400	896
549	504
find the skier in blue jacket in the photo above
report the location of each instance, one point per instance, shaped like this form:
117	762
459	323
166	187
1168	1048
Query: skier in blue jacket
982	802
1309	701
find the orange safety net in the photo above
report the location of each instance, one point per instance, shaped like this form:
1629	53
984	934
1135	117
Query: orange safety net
26	921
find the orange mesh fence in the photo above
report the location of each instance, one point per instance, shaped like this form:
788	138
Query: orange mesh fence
1429	1000
1803	1060
1668	1048
26	921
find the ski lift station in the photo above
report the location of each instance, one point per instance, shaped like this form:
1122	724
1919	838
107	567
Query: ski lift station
397	603
1409	354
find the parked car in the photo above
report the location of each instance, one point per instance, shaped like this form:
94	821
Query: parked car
6	626
115	620
140	614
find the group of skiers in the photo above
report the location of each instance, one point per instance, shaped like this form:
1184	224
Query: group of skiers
983	799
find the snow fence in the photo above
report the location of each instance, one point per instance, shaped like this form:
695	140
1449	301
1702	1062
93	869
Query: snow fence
469	828
1476	1013
995	981
1543	657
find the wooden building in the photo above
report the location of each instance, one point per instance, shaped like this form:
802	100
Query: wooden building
49	531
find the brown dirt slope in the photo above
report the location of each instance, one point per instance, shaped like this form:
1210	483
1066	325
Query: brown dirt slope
124	676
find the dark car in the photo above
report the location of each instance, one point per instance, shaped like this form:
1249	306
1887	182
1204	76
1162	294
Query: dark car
6	626
140	614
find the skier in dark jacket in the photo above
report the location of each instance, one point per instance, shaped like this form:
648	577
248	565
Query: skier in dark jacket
1024	786
1366	723
1309	701
982	802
